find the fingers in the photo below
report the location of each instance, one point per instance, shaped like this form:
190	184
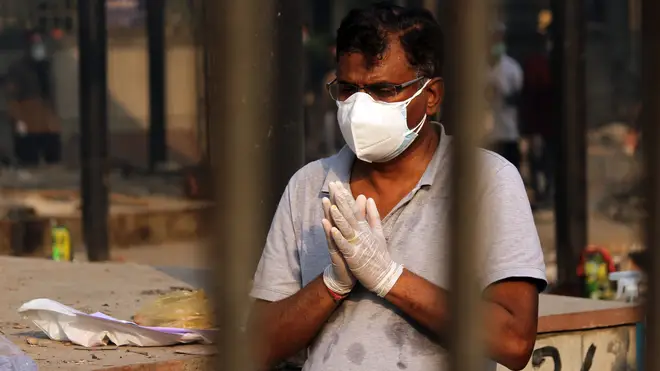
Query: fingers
344	202
360	208
344	227
346	248
373	216
326	208
327	228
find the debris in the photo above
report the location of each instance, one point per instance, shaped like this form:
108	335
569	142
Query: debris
138	352
97	348
32	341
178	309
164	292
197	351
94	356
89	333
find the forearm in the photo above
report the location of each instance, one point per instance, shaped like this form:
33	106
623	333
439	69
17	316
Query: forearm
422	301
285	327
427	304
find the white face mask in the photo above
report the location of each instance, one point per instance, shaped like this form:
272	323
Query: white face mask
376	131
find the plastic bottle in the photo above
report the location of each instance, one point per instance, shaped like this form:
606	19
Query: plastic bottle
628	283
13	359
61	243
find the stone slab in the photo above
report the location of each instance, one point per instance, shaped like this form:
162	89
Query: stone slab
116	289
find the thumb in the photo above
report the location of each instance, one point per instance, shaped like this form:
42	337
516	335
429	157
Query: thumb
327	228
373	217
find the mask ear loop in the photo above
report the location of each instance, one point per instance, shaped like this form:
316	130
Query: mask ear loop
418	128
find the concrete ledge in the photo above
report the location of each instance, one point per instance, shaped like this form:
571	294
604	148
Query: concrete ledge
132	221
590	320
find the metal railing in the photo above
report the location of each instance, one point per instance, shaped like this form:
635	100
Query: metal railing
254	96
650	135
465	81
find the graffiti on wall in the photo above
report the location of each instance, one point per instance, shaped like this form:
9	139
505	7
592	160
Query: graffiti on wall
611	349
539	356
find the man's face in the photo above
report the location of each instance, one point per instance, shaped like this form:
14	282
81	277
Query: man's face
495	45
392	68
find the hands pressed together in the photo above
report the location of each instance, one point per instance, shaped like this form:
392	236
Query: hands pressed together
357	245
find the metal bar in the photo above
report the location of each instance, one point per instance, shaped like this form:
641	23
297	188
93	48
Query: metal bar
92	43
465	80
431	6
287	138
568	60
650	135
241	67
157	83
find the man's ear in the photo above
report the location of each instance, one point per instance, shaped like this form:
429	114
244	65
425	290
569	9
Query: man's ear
436	90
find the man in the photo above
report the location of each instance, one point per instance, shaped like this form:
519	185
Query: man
363	293
536	113
504	84
36	128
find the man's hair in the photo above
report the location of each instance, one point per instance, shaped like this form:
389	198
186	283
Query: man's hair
369	31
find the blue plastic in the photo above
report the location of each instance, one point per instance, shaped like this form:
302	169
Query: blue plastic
13	359
640	342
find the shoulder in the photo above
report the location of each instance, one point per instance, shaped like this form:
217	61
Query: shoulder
511	64
308	181
498	173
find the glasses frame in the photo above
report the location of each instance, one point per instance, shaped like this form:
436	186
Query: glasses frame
397	87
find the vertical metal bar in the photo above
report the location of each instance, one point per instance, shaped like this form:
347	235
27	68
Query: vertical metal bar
157	82
92	43
650	135
431	6
568	60
239	48
287	130
465	77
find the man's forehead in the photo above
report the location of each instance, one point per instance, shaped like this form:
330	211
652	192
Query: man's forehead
356	67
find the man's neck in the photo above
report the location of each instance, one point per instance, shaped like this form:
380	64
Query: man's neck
410	164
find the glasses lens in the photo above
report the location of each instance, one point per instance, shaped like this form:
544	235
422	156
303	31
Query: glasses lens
341	91
384	92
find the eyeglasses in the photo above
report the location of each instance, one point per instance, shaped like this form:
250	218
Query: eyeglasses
340	91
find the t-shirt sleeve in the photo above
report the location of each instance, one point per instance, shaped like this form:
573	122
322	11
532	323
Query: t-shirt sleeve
517	77
278	273
512	246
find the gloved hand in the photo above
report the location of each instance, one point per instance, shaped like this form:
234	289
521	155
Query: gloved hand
336	276
362	242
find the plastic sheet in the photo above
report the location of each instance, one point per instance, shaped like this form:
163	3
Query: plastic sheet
13	359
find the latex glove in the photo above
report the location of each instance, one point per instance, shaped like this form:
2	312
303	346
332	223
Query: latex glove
336	276
362	242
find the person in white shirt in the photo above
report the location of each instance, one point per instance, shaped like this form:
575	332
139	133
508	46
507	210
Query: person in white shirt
505	81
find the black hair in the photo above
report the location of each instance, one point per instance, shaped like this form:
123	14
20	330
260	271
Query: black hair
369	30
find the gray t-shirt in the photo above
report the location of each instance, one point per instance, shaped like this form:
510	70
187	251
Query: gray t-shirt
367	332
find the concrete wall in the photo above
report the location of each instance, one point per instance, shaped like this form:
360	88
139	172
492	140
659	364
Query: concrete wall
128	104
609	349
